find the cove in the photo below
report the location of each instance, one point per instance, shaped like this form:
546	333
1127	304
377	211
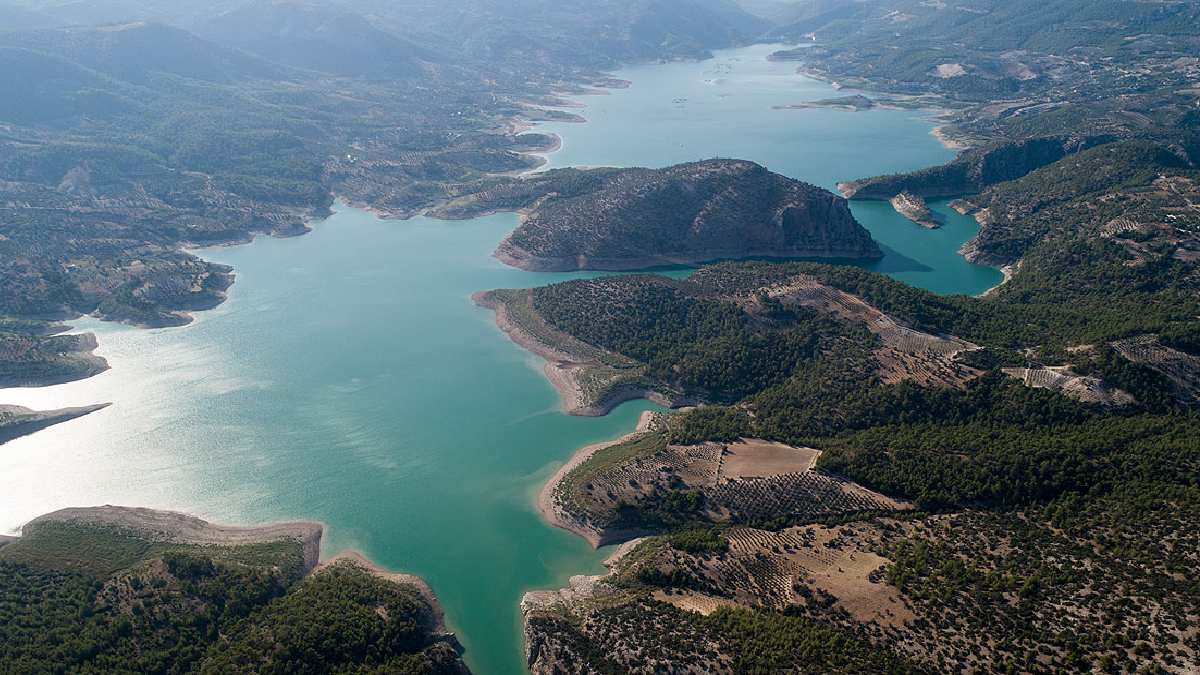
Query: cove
349	379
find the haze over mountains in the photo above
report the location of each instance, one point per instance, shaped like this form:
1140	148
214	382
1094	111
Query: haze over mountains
367	36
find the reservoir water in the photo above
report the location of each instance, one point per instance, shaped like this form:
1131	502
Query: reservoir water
349	379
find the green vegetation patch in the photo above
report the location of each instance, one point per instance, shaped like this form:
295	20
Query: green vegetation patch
100	550
341	619
642	445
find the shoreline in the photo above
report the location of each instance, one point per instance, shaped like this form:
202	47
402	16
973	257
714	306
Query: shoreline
357	557
185	528
1008	271
562	369
558	363
548	507
947	141
514	256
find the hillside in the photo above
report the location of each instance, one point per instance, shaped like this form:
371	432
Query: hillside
1008	71
136	590
1136	194
624	219
976	591
531	36
139	52
851	376
316	37
972	171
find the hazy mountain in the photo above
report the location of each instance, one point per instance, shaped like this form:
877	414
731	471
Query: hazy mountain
138	52
785	12
13	17
41	88
591	33
316	37
95	12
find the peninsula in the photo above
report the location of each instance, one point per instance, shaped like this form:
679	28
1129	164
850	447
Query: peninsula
142	590
17	421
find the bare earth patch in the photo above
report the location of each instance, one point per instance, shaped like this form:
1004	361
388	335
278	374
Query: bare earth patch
753	458
906	353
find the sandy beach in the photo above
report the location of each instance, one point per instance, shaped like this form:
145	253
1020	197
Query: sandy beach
946	140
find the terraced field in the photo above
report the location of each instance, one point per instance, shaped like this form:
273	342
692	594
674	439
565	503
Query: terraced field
1181	368
631	485
1079	387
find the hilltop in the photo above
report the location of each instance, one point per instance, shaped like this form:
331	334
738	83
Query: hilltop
622	219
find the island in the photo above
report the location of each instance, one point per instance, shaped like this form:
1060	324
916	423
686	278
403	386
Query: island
852	103
628	219
915	209
139	590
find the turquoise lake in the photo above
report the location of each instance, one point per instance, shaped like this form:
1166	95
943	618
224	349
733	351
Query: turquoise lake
349	379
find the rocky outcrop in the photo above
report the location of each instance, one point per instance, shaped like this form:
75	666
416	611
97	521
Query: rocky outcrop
915	209
973	170
684	214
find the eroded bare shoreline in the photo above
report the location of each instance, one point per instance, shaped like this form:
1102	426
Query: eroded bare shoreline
553	513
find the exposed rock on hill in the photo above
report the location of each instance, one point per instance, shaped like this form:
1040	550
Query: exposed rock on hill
973	170
915	209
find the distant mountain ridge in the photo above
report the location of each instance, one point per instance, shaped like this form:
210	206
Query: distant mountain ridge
385	37
328	39
139	51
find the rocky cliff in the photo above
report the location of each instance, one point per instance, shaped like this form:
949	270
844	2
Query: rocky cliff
973	170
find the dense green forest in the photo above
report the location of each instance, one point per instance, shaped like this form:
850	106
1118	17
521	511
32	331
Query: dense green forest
78	597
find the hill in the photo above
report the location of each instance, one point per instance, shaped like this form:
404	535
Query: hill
973	170
621	219
44	89
134	590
